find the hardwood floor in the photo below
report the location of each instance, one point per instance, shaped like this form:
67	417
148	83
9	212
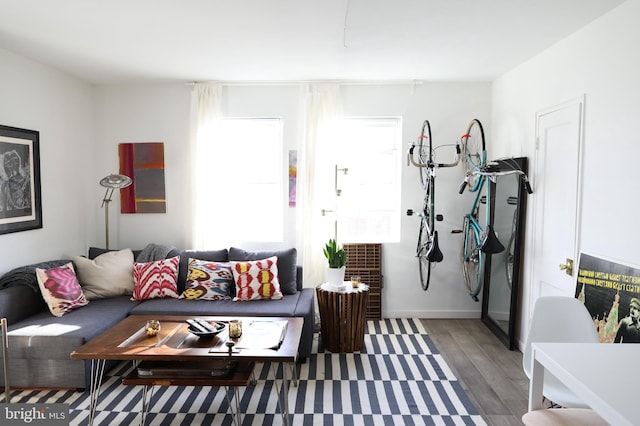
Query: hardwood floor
491	375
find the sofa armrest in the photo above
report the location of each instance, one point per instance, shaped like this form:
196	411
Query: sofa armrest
305	309
299	284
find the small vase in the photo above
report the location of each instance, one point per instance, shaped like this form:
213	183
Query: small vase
335	276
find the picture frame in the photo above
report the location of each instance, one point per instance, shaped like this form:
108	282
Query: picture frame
20	192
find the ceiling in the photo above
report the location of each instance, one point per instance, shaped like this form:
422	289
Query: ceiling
127	41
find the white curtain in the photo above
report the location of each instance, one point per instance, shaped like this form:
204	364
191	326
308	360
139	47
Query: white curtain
206	102
321	109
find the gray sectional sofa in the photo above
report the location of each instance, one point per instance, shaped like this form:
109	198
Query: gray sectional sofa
40	343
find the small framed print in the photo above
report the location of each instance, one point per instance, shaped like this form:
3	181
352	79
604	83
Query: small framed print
20	196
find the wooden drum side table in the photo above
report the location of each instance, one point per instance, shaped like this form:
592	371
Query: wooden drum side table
342	316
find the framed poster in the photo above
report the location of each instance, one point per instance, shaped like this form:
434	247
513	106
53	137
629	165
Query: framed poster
611	293
20	202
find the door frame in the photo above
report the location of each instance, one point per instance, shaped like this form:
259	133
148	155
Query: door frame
580	102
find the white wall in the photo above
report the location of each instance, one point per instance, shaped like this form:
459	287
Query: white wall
161	113
602	62
61	108
449	108
144	113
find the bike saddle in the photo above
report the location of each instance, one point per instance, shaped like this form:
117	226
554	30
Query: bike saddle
491	243
434	254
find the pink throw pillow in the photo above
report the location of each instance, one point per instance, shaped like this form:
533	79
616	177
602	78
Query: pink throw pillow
60	289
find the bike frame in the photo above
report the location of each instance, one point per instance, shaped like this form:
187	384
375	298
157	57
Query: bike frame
472	229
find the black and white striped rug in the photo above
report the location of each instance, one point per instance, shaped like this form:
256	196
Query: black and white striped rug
398	379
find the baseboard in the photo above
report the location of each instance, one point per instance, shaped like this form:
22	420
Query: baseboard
433	314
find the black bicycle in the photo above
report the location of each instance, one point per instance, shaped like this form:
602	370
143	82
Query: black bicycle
422	155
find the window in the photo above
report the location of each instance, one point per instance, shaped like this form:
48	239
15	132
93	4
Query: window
368	207
240	180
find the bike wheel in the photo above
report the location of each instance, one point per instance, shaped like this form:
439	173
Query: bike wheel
472	260
474	152
424	243
425	153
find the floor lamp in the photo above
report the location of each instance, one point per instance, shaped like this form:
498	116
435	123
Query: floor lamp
111	182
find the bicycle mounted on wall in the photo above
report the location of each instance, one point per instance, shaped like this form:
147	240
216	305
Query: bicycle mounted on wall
427	249
478	240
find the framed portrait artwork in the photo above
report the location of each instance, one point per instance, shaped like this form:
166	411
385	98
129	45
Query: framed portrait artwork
20	197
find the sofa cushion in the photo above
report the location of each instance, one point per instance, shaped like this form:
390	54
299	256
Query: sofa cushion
155	279
42	337
60	289
287	261
108	275
207	280
97	251
224	308
256	279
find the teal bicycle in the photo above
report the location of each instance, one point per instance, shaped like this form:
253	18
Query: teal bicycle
480	240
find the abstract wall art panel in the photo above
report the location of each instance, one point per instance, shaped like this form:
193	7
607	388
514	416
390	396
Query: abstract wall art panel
144	164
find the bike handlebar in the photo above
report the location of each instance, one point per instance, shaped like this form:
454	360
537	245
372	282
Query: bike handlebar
490	171
463	185
527	185
411	160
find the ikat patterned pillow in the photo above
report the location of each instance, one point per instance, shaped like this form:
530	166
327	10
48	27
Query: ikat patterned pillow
155	280
207	280
60	289
256	279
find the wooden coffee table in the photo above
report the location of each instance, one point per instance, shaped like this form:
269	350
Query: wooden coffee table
128	341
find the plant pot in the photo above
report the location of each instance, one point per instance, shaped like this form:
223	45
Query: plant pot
335	276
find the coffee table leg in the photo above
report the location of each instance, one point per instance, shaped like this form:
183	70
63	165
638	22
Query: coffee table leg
294	374
97	370
238	414
282	391
285	394
146	401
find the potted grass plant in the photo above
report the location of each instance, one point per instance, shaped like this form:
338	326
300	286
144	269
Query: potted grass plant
337	260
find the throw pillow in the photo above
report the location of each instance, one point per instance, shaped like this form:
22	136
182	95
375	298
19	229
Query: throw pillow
156	279
186	255
207	280
287	261
256	279
60	289
108	275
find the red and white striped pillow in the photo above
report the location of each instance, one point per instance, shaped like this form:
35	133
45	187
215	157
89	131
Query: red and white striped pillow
156	279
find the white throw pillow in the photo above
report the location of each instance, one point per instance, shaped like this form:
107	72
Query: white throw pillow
108	275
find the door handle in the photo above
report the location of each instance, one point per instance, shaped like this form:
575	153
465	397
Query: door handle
567	267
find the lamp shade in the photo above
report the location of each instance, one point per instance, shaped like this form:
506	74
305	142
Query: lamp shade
115	181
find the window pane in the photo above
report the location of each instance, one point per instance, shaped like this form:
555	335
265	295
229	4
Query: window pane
369	204
241	166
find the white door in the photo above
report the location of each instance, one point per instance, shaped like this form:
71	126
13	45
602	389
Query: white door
557	185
